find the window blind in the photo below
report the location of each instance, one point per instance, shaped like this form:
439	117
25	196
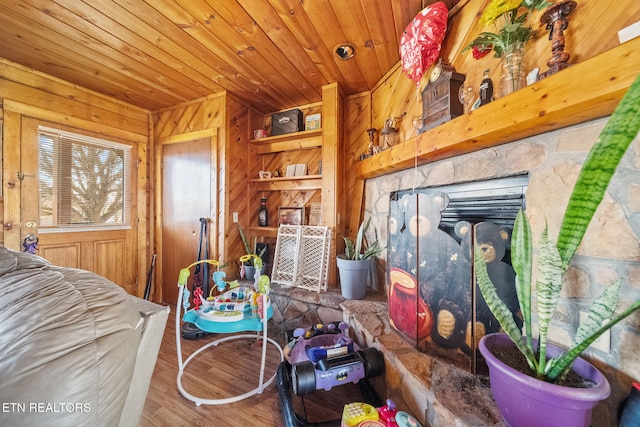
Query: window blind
83	181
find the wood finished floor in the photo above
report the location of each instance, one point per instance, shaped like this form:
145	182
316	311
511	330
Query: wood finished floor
225	370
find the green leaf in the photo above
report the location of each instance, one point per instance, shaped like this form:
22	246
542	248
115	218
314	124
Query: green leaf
563	364
349	249
361	249
245	242
597	170
499	309
548	287
521	260
372	250
536	4
361	230
601	310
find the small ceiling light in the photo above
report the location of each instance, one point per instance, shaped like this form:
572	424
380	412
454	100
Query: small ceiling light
345	51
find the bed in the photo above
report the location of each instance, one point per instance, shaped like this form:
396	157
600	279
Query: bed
75	348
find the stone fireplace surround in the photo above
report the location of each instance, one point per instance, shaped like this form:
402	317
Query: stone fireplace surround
440	394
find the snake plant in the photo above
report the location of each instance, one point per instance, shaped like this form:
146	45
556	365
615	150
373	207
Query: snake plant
554	257
354	250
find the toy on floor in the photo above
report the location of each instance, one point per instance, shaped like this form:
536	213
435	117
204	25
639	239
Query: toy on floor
356	413
323	357
364	415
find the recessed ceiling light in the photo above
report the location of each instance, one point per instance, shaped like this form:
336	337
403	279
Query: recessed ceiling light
345	51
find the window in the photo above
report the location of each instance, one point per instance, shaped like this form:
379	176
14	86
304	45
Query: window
84	181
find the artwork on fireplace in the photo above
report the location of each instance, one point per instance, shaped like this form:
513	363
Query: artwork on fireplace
433	301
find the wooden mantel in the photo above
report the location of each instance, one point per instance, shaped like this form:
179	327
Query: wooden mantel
580	93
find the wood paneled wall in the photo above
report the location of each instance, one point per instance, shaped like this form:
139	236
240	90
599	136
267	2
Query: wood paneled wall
232	120
26	93
593	29
357	119
236	175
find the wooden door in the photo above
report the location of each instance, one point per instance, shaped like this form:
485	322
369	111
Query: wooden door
188	182
107	251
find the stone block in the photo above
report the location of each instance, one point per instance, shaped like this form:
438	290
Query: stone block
628	353
524	157
328	315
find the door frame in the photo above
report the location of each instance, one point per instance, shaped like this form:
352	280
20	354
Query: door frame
215	247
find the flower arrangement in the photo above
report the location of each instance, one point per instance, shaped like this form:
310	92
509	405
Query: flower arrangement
512	21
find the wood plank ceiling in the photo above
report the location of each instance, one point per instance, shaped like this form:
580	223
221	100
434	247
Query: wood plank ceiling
272	54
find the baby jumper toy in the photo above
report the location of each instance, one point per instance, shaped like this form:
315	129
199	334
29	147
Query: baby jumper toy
238	309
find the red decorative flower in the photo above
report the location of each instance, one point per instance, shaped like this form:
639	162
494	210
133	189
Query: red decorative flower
480	51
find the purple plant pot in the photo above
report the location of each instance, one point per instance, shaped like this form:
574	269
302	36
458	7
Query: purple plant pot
525	401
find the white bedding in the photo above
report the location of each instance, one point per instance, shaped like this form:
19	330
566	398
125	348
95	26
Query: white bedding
68	341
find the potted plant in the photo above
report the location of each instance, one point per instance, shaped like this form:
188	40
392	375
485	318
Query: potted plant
355	263
253	260
549	365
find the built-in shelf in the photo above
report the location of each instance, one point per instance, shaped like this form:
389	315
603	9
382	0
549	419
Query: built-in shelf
264	231
580	93
290	141
294	183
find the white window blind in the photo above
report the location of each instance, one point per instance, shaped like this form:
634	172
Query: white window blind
84	182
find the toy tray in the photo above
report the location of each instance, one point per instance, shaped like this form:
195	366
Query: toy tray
238	299
246	323
220	315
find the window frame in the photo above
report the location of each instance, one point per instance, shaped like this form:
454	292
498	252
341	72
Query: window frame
128	183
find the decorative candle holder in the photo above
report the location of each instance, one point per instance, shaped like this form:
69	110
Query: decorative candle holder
556	20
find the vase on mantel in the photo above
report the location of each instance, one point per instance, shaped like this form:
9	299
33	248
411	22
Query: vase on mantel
513	74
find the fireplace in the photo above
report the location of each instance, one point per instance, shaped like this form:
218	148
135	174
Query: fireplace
432	298
611	250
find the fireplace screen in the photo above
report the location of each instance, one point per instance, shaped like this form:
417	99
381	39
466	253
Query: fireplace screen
433	301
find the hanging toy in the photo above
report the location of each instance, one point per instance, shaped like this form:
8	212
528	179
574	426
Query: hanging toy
30	244
185	299
264	284
261	302
257	265
254	305
218	277
182	281
197	298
